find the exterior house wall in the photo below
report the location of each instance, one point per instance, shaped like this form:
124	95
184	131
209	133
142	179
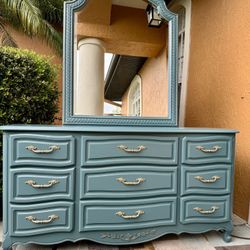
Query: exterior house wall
127	34
40	47
219	80
124	109
154	87
154	76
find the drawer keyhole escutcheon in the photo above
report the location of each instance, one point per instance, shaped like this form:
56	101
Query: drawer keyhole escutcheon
130	183
50	219
214	149
202	211
203	180
138	149
42	151
137	214
49	185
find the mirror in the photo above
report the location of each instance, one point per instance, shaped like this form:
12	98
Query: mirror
120	63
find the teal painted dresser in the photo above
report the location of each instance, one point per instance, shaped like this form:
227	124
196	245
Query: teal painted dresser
116	180
71	183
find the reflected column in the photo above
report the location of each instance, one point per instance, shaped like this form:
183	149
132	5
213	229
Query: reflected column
89	88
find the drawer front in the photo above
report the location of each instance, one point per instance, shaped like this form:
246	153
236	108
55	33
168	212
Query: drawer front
126	149
127	214
214	179
42	150
35	185
210	149
41	218
132	181
200	209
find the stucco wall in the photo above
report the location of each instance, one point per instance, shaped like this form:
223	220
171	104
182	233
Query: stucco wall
127	34
154	76
40	47
219	80
154	87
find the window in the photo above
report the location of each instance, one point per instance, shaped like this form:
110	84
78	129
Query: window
134	97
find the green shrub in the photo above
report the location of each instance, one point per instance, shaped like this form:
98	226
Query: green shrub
28	87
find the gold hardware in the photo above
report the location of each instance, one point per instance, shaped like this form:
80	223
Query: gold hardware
212	180
34	185
130	183
202	211
45	151
133	216
50	219
214	149
138	149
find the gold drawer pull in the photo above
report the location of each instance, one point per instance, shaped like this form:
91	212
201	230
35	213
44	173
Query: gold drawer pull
34	185
130	183
138	149
212	180
45	151
133	216
202	211
50	219
214	149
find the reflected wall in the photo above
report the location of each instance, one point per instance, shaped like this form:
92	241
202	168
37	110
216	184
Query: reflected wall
113	46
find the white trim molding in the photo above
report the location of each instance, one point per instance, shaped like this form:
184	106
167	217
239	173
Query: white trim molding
135	86
174	6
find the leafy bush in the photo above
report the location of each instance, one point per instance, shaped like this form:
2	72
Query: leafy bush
28	87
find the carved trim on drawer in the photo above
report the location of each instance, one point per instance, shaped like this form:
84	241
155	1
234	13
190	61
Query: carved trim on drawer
129	236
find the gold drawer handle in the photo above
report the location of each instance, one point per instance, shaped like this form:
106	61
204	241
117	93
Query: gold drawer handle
212	180
214	149
137	214
202	211
130	183
138	149
45	151
50	219
49	185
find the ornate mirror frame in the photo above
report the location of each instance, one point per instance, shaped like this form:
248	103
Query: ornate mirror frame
70	8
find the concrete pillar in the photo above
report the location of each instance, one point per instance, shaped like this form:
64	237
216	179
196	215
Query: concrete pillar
89	87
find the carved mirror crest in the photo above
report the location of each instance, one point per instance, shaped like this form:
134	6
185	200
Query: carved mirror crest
120	63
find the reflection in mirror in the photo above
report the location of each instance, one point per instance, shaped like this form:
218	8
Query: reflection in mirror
120	62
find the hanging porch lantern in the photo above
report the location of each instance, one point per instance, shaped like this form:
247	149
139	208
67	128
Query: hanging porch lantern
154	19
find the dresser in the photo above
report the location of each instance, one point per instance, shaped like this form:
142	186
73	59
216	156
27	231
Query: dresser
120	174
71	183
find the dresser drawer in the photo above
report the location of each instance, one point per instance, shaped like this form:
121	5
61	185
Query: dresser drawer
127	214
128	181
210	149
201	209
35	185
38	219
110	150
42	150
213	179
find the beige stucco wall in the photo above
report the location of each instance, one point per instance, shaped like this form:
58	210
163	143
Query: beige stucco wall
124	108
40	47
154	76
154	87
127	34
219	80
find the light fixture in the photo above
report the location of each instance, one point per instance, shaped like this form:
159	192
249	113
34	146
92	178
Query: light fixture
154	19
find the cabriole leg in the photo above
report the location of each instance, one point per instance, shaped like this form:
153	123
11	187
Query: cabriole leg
7	247
7	244
227	236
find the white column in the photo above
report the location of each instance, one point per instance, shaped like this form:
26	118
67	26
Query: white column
89	87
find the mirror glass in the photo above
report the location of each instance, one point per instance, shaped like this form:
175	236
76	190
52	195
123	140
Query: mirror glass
120	62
